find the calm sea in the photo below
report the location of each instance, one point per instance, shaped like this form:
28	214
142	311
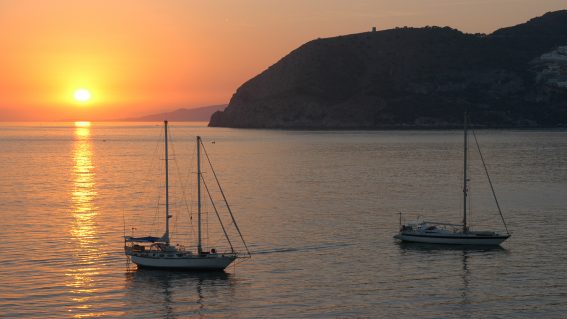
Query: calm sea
317	209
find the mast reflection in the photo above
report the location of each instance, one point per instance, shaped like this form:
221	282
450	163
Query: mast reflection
174	294
466	253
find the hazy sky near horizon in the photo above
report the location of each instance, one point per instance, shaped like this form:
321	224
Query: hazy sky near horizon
140	56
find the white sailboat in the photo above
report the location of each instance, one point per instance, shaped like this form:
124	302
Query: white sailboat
159	252
422	231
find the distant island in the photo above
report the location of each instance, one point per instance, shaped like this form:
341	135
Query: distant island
199	114
413	78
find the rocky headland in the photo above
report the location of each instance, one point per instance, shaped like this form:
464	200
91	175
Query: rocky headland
413	78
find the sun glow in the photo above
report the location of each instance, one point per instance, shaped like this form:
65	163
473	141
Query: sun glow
82	95
82	124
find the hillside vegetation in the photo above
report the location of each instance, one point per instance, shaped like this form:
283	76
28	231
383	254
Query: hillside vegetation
413	77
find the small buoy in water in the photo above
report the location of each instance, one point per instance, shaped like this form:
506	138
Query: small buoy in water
213	142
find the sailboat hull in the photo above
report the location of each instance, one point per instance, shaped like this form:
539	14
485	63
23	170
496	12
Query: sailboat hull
453	239
158	252
210	262
454	234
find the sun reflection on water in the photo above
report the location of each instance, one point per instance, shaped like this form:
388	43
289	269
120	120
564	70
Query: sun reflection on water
83	231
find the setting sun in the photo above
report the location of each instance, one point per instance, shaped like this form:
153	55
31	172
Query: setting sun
82	95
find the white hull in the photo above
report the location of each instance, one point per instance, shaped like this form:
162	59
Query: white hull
208	262
429	232
450	239
158	252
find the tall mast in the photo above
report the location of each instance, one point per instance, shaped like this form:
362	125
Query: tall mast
166	188
199	246
465	226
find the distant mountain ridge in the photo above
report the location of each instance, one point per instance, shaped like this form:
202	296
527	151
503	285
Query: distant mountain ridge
199	114
413	78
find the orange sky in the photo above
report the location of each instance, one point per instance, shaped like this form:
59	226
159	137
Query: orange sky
141	56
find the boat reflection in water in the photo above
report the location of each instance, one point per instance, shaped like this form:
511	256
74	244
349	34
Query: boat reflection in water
175	294
85	252
453	270
426	247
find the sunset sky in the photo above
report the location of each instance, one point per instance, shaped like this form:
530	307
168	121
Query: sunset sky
135	57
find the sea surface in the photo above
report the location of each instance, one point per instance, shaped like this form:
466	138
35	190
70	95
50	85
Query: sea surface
317	210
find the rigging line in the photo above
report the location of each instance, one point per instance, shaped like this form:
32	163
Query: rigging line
183	192
188	204
224	197
173	230
189	186
190	208
176	228
205	217
469	197
161	185
469	179
217	213
156	154
146	182
124	225
179	180
489	181
156	218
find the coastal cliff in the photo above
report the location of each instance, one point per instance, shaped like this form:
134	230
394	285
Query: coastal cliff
413	78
